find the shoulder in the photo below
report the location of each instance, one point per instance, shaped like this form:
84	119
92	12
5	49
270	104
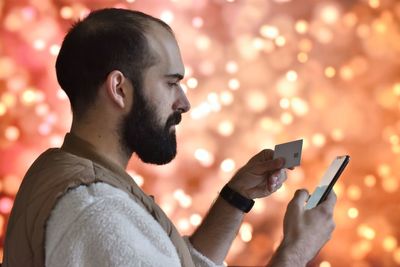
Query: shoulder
103	218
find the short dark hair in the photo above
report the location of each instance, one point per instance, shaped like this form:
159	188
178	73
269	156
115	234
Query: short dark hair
106	40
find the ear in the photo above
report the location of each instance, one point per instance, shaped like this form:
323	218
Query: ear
116	89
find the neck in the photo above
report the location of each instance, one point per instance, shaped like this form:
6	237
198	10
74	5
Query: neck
105	142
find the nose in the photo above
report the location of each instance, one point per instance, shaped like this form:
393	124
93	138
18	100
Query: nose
181	103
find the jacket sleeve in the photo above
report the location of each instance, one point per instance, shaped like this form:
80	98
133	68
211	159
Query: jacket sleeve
96	226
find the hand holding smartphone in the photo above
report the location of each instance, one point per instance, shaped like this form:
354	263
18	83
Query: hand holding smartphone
328	181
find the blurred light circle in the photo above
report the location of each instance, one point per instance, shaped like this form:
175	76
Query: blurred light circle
6	204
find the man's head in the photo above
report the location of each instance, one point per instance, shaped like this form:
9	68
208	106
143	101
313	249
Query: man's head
126	66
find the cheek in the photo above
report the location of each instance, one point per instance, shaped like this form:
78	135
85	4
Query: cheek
160	99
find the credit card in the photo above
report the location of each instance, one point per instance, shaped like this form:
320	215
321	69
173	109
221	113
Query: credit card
291	151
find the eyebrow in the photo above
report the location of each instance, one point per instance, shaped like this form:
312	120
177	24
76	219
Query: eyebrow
175	75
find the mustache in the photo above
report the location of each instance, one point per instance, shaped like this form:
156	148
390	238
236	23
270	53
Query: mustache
174	119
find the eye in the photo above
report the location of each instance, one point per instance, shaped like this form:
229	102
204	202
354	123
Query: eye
173	84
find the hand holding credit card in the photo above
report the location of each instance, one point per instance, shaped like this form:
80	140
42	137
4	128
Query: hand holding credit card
291	152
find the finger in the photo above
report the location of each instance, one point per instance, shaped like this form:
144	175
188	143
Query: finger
272	183
267	166
262	156
276	179
300	197
330	201
282	176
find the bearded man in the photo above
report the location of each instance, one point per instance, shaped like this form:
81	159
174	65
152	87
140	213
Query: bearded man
77	206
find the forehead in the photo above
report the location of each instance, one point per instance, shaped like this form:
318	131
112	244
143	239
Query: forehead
166	50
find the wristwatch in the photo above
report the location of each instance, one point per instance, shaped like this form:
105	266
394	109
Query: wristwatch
235	199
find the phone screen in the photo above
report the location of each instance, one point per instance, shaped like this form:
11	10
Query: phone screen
328	180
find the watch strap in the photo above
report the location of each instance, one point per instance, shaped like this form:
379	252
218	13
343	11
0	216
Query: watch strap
235	199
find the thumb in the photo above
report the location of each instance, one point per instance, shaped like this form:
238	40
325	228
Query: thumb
299	199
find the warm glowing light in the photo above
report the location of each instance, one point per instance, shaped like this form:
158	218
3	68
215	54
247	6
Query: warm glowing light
324	264
183	225
329	14
66	12
197	22
226	128
3	109
39	44
258	43
330	72
318	140
167	16
246	232
302	57
231	67
184	200
301	26
204	157
366	232
28	96
299	106
256	100
384	169
280	41
389	243
226	98
396	89
396	255
139	180
291	76
286	118
203	42
192	83
5	205
284	103
346	73
234	84
228	165
54	49
370	180
390	184
337	134
195	219
61	94
269	31
12	133
56	140
352	213
354	192
374	3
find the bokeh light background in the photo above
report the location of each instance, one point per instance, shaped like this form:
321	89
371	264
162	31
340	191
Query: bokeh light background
258	73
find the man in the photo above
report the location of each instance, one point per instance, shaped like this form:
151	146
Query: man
78	207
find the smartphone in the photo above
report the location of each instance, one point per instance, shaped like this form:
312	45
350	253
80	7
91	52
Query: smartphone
328	181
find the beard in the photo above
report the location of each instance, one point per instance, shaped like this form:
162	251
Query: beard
141	133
